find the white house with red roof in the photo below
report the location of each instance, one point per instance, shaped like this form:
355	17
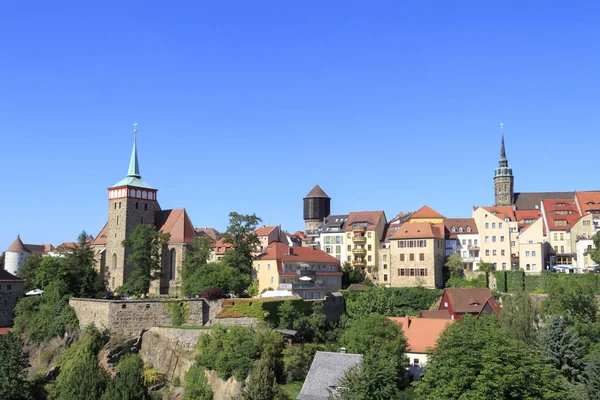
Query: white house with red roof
310	273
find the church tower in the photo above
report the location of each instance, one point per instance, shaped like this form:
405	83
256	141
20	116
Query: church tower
131	202
504	179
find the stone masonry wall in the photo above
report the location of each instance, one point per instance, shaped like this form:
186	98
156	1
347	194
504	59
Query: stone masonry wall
8	300
130	317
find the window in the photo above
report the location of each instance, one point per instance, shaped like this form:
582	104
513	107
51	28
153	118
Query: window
401	257
468	229
502	252
369	234
555	236
137	204
560	222
369	247
562	237
268	267
385	257
499	225
493	225
512	244
400	271
327	239
445	304
487	239
385	277
272	280
416	361
502	238
369	258
173	264
338	240
503	266
145	207
384	266
349	257
562	249
487	225
327	249
421	256
460	228
534	267
475	242
528	267
556	249
494	252
527	254
412	272
587	223
348	236
464	254
487	252
464	242
493	239
258	267
423	272
453	229
412	257
9	287
533	253
349	247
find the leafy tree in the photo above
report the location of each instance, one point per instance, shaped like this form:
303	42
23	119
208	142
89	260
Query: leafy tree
219	275
520	317
352	275
315	328
262	384
240	234
454	264
488	268
476	359
13	368
371	379
572	298
44	317
81	378
289	316
595	254
49	270
297	359
29	270
146	246
196	256
196	385
83	280
561	345
129	382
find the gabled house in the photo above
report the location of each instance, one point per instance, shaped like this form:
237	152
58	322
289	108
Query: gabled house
473	301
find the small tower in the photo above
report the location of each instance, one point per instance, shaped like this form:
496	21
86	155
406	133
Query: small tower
317	205
503	178
131	202
15	256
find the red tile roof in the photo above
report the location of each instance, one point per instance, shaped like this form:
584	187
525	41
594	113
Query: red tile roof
283	253
264	231
419	230
502	212
8	277
17	246
551	207
458	223
177	223
4	331
421	333
471	300
67	247
370	217
589	202
426	212
208	232
101	238
220	247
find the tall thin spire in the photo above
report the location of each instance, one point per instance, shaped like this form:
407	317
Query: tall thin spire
134	168
502	149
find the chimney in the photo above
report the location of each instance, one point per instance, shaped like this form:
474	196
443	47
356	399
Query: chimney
343	350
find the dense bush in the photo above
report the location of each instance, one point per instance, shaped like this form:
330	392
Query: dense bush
390	301
262	309
461	281
41	318
196	385
13	368
179	310
129	382
213	275
232	352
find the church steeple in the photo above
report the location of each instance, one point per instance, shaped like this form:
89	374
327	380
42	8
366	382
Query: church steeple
503	178
134	168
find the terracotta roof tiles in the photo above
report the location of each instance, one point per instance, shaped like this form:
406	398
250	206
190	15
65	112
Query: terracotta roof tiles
419	230
17	246
264	230
426	212
421	333
177	223
317	192
369	217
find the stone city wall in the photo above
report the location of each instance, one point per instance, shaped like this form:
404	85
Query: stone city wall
130	317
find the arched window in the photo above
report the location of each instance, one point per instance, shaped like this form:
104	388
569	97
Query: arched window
114	262
173	264
453	229
139	193
468	229
460	228
144	195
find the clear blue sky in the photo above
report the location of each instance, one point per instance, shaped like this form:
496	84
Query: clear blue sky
246	105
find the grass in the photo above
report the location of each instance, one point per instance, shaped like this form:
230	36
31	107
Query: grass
187	327
292	389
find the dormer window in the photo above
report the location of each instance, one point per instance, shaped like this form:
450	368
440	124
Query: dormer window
468	229
453	229
460	228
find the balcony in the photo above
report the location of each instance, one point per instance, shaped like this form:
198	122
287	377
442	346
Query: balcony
304	285
305	272
359	262
359	251
359	239
359	228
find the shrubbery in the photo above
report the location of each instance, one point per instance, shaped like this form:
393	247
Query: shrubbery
196	385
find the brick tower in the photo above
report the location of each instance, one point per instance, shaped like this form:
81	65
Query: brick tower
131	202
503	179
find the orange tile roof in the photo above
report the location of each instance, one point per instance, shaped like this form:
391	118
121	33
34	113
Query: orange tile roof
370	217
551	207
177	223
501	212
426	212
283	253
589	202
220	247
419	230
457	223
4	331
101	238
264	231
421	333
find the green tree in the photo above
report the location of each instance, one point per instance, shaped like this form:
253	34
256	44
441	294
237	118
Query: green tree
288	315
196	256
262	384
454	264
218	275
81	378
476	359
196	385
488	268
240	234
146	246
561	345
520	317
371	379
83	280
573	299
13	368
29	270
49	270
352	275
595	254
592	373
129	382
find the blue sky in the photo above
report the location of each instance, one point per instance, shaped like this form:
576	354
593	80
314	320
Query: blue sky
245	106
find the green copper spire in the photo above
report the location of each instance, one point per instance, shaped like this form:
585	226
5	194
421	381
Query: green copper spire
134	168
